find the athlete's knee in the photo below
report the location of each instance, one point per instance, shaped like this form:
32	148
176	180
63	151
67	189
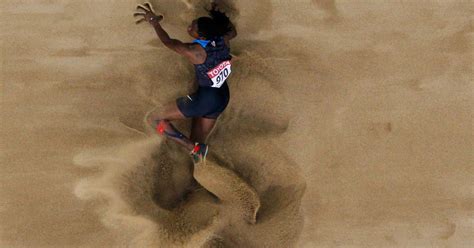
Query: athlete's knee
159	125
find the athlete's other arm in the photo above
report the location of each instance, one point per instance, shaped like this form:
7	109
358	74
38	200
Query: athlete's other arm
231	34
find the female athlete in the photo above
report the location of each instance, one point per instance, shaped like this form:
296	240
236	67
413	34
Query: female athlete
209	52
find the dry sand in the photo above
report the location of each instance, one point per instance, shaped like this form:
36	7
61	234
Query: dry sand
351	120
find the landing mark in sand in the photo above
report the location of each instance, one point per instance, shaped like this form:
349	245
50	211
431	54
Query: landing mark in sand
229	188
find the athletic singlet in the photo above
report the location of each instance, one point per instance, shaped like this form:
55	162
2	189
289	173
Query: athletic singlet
217	67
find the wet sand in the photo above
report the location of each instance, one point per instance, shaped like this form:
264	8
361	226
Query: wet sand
352	122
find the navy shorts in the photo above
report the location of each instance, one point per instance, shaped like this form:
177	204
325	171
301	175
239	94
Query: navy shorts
206	102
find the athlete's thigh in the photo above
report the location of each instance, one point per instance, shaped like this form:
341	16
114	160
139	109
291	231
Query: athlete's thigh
172	112
168	112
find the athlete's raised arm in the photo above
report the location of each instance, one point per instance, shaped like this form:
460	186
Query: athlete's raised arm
173	44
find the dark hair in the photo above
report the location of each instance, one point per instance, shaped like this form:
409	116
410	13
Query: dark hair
218	24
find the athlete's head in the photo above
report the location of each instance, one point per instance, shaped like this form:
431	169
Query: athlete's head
208	27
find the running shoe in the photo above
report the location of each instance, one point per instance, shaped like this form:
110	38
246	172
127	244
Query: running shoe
199	152
164	127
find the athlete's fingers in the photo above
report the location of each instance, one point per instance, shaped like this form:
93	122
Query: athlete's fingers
140	21
141	7
138	14
149	6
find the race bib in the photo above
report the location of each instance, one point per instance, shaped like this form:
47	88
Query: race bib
219	74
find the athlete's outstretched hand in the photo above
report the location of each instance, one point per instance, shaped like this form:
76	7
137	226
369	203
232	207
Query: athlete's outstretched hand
148	13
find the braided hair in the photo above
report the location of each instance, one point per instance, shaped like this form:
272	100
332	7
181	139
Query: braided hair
215	25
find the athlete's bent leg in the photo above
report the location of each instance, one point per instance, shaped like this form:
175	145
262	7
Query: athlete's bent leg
160	122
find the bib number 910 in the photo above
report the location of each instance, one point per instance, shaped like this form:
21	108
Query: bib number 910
220	73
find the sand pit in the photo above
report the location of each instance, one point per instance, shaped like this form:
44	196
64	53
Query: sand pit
350	120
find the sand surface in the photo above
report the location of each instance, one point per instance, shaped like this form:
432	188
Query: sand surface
351	121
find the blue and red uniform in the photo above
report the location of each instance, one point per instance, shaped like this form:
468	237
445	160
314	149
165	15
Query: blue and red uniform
207	101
